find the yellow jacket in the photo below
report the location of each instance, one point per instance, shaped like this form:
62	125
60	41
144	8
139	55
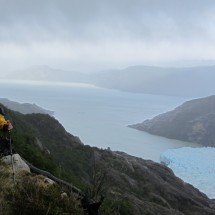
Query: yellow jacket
2	121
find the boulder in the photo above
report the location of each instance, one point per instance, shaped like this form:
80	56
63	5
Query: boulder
48	181
19	164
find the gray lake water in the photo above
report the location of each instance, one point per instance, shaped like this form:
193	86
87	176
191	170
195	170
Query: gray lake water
100	117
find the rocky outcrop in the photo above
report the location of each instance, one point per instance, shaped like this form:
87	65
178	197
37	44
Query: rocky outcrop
18	163
194	121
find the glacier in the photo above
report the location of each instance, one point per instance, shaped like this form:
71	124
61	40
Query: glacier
195	166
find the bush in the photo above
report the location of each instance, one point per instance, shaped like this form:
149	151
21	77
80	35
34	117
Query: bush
32	196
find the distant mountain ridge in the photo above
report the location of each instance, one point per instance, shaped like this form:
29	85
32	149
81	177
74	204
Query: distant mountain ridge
172	81
24	108
193	121
188	82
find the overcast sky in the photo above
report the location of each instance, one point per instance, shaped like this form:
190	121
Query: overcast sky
94	35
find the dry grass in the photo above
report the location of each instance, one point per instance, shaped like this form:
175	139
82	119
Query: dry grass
31	195
6	187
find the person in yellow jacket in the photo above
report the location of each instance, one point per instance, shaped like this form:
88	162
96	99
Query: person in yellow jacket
5	125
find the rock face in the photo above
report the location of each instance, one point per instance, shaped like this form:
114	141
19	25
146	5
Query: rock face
19	164
193	121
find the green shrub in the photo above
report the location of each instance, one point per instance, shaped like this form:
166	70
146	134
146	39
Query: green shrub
31	196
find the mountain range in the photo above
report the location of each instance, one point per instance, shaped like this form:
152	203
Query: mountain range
187	82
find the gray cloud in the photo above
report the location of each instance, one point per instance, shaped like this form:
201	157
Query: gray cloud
105	33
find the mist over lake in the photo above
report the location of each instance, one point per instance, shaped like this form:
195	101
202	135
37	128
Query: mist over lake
100	117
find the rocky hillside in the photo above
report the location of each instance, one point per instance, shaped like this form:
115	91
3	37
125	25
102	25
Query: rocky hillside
130	185
193	121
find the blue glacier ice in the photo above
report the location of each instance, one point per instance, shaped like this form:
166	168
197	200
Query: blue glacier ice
195	166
